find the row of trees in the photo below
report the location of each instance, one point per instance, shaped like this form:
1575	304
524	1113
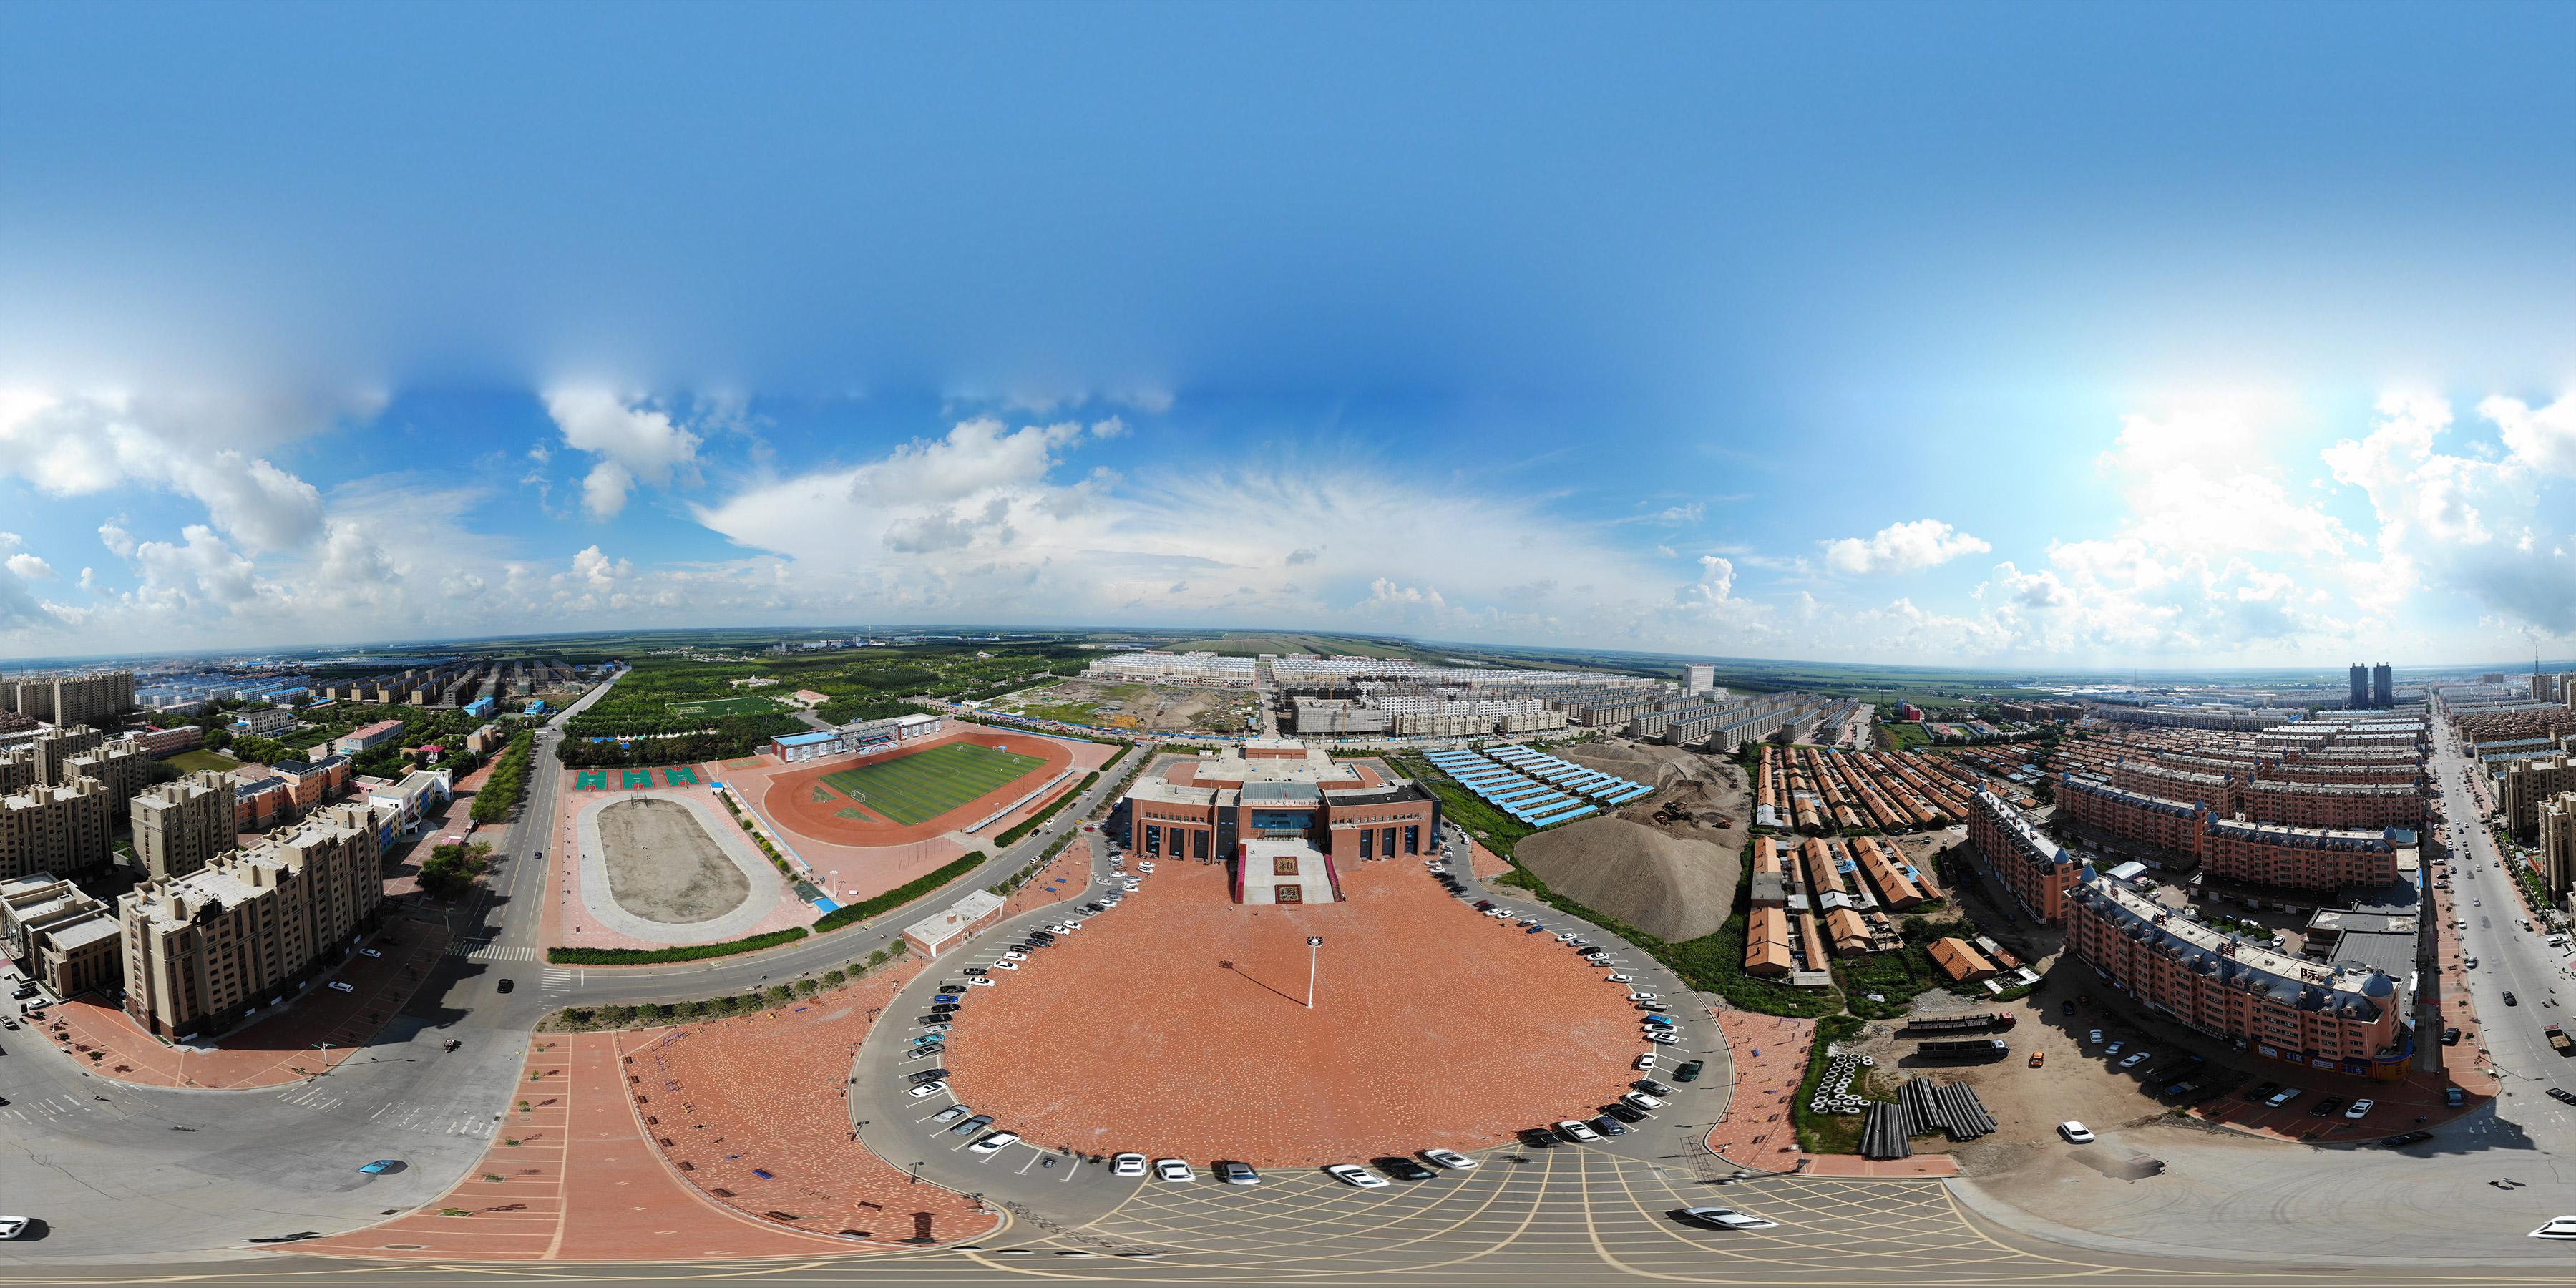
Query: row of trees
508	784
726	736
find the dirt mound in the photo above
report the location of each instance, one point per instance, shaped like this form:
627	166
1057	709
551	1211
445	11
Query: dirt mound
1654	766
1663	885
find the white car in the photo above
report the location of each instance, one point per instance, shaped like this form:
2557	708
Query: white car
2114	1048
13	1226
1645	1062
1015	957
1131	887
2563	1227
1641	997
994	1142
2359	1108
369	952
1009	963
980	981
1728	1217
1660	1036
1641	1100
950	1114
1451	1159
926	1089
342	987
1619	979
1127	1165
1573	1130
2077	1133
1174	1170
1356	1177
2095	1037
2134	1059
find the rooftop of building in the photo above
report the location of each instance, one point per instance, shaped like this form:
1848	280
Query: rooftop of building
2353	992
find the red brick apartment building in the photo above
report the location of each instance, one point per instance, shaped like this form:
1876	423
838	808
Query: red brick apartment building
2282	1008
2021	858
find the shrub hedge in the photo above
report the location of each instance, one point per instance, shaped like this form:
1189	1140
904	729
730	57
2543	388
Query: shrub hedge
898	896
1005	840
683	953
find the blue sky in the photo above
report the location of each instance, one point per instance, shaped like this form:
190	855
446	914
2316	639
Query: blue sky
2019	335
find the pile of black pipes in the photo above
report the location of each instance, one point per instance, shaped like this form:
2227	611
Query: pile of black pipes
1955	1110
1884	1135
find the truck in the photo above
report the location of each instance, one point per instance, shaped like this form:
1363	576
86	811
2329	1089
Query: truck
1963	1023
1967	1049
2558	1040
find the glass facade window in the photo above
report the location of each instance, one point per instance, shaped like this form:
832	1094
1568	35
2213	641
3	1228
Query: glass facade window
1153	838
1364	845
1389	843
1199	844
1413	840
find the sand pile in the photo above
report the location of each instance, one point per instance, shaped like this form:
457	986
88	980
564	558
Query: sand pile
1663	885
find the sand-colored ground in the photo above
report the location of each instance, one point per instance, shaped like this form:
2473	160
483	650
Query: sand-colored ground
1666	886
662	865
1195	1040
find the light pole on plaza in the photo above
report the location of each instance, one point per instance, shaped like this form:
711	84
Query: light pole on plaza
1314	950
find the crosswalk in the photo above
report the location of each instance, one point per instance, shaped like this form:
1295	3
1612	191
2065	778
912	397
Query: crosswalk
561	979
485	951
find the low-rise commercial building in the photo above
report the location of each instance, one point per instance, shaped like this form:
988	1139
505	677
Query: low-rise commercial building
407	801
58	935
366	736
1961	960
201	950
266	721
172	741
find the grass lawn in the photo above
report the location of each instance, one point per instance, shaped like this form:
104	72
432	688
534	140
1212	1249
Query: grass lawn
1903	737
1081	713
926	784
189	762
724	707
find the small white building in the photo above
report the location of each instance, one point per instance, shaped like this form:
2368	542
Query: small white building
941	931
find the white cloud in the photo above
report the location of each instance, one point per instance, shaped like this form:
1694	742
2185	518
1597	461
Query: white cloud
1901	547
205	447
634	440
30	567
2545	439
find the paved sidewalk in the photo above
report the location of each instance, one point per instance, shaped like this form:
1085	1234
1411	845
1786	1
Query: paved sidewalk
570	1177
1758	1131
318	1032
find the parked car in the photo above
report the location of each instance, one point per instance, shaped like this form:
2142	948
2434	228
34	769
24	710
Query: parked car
2450	1037
340	987
925	1075
994	1142
1356	1177
2283	1097
1403	1169
1689	1072
1609	1126
380	1166
2075	1133
369	952
1725	1218
927	1089
2095	1037
1645	1062
1173	1170
1127	1165
2326	1107
2262	1091
2409	1138
2134	1059
1624	1113
950	1114
2038	1058
972	1125
1236	1173
1576	1131
1653	1088
1663	1037
2454	1097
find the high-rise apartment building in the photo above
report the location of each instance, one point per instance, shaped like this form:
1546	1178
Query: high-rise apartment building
1699	677
63	830
180	827
71	699
2383	686
2358	690
2557	857
201	948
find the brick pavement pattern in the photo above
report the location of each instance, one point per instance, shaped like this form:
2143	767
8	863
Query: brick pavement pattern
581	1184
1176	1025
729	1100
1770	1053
275	1051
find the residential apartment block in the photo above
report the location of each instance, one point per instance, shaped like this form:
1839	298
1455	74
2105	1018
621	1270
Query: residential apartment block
2525	784
201	949
2021	858
2347	806
180	827
70	699
63	830
2344	1018
2557	857
2306	858
366	736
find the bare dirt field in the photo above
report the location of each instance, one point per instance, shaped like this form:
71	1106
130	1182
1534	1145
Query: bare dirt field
662	865
1666	886
1160	708
1668	864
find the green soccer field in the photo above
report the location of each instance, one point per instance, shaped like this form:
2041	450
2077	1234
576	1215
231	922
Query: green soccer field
723	707
927	784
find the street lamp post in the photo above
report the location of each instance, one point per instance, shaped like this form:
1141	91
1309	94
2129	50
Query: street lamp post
1314	950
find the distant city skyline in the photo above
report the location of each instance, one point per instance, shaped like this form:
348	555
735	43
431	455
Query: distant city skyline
1845	333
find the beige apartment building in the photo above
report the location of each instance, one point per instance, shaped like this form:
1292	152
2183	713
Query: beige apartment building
2557	856
70	700
2526	783
55	829
203	949
66	939
180	827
